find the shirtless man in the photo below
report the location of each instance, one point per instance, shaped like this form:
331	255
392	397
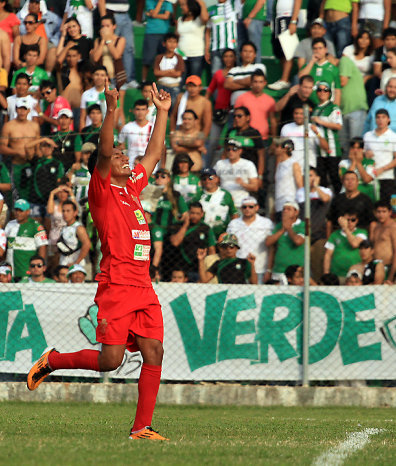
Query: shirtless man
14	136
69	79
195	101
383	236
5	51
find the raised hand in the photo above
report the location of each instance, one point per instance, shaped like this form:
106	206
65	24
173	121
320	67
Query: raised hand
162	100
111	96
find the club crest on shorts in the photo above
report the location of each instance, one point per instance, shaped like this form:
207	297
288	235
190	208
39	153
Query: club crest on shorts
139	217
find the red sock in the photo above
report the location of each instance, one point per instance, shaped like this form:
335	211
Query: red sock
148	386
85	359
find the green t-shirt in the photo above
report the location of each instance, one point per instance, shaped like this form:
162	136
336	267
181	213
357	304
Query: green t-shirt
23	241
340	5
156	233
287	252
22	176
344	255
29	280
328	73
370	189
353	95
219	208
5	179
248	7
36	78
188	186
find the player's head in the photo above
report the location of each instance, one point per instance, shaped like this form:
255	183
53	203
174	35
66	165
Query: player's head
120	164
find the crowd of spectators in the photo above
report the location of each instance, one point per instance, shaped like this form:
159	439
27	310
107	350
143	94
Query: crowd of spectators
226	204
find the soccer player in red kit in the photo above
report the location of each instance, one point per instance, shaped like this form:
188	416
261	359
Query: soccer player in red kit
129	313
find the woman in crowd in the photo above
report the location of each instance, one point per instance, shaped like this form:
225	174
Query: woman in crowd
222	102
9	21
191	29
71	36
361	53
108	50
23	41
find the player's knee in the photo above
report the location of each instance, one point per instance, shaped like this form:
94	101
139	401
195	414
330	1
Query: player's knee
110	363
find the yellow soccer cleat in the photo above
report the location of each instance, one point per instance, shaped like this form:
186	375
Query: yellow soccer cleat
147	433
39	371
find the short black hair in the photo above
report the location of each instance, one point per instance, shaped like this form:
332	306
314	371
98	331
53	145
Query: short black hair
37	257
382	111
145	84
319	40
330	279
76	48
259	73
388	32
192	113
349	172
244	109
69	202
99	68
382	203
196	204
170	35
58	269
140	103
47	83
356	140
306	77
33	48
94	107
22	76
249	42
291	270
109	16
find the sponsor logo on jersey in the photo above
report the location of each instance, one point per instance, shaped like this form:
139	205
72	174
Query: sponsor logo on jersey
141	252
141	234
134	178
139	217
126	203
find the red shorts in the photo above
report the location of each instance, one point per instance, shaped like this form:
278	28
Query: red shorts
125	311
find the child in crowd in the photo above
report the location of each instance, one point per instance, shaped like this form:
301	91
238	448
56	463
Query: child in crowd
169	67
390	72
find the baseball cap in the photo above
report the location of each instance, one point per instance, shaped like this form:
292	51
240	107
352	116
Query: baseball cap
234	142
325	84
354	273
22	204
88	147
208	172
76	268
5	270
229	239
365	244
249	200
22	102
65	112
319	21
194	79
292	204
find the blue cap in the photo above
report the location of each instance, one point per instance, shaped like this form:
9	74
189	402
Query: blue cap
21	204
208	172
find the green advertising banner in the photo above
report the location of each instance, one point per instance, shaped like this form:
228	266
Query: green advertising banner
216	332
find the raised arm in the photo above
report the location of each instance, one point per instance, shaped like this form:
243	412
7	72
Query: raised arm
152	156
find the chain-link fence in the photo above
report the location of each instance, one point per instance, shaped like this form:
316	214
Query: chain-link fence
215	332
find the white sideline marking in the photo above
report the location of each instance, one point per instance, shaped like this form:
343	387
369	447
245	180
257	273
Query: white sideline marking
355	441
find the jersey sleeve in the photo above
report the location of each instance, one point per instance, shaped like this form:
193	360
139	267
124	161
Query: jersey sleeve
40	238
139	176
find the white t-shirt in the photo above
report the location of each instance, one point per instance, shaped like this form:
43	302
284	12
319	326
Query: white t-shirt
284	8
383	148
251	239
168	64
300	195
364	65
90	97
137	138
228	172
11	109
296	134
285	185
372	9
191	37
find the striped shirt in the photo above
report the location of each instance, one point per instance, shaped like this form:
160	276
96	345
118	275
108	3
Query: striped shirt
223	25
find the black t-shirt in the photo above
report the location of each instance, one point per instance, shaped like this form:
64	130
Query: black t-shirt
361	204
90	134
65	150
319	210
236	271
369	272
85	45
197	236
380	56
251	141
45	176
287	112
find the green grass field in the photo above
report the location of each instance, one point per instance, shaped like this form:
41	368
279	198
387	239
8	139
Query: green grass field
97	434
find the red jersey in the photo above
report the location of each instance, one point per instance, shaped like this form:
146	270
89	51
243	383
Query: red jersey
122	228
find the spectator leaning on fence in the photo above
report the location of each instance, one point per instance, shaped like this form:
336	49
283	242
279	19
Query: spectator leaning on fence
25	238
